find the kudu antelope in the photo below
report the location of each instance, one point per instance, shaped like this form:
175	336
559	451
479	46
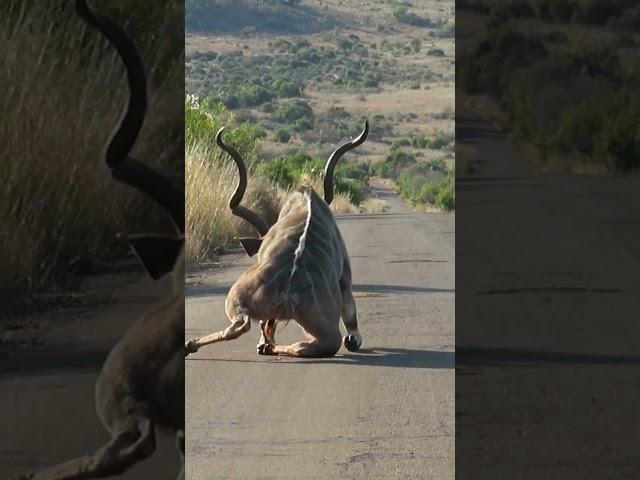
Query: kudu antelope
141	385
302	272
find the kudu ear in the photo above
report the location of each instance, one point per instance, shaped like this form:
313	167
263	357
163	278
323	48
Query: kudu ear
157	253
251	245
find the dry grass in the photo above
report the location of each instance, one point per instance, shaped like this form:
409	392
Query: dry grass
60	101
425	208
340	203
210	179
373	205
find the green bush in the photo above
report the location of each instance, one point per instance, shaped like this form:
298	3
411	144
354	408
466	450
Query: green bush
203	118
356	171
393	164
232	102
447	30
345	44
355	189
402	14
294	112
287	88
370	80
282	136
399	12
268	107
446	197
440	140
279	171
422	184
302	124
286	170
254	95
416	45
291	111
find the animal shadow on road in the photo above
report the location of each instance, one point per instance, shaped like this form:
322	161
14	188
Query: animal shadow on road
372	357
205	291
395	357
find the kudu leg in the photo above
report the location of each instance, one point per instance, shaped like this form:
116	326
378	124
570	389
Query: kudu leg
233	331
127	447
311	348
325	342
268	329
353	339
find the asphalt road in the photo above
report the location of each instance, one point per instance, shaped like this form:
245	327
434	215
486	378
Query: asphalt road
385	412
47	413
548	269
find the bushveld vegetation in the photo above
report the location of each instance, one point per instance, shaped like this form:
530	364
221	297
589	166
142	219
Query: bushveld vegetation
429	182
401	12
271	85
345	62
250	16
562	118
309	92
63	88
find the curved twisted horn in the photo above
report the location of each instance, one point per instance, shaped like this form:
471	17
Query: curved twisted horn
335	156
236	198
124	168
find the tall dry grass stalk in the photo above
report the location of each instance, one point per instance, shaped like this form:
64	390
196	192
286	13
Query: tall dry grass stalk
210	178
63	91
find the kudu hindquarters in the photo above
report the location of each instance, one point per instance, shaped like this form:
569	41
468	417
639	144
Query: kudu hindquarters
302	271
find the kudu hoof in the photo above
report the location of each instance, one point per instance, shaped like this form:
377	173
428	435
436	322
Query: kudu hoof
265	349
189	348
351	343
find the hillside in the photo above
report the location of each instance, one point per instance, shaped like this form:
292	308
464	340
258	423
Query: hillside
309	72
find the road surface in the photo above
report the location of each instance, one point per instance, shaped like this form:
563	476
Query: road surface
548	270
383	413
47	392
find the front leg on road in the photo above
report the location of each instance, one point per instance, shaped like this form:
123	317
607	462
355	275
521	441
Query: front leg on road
233	331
